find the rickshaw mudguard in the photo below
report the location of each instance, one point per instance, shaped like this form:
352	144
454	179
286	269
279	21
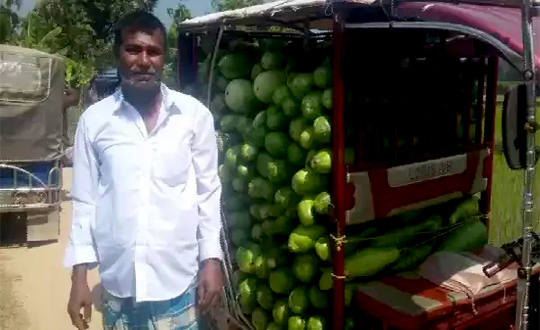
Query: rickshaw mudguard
43	226
31	135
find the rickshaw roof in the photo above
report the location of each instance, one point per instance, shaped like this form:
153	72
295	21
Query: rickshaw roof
298	10
29	52
498	18
284	11
32	85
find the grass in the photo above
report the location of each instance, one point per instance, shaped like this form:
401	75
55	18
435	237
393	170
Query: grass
507	198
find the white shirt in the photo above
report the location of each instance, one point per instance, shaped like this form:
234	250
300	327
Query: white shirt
146	207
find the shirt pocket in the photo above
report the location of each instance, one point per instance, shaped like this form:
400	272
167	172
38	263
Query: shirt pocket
172	162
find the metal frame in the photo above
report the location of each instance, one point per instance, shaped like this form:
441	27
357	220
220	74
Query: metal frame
38	198
524	283
489	130
44	196
499	3
339	177
508	54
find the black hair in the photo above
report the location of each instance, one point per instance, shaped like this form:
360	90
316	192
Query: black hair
140	20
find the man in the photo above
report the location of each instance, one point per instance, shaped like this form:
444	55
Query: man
146	196
71	99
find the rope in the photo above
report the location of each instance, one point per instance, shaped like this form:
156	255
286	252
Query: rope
339	241
329	8
340	277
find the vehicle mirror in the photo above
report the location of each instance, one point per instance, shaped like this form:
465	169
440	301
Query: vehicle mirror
514	118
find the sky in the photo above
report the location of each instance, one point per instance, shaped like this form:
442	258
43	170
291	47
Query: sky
197	8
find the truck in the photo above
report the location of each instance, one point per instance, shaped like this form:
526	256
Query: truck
32	140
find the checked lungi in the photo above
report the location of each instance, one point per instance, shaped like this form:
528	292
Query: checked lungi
179	313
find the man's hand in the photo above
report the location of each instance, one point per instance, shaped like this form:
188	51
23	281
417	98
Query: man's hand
80	298
210	284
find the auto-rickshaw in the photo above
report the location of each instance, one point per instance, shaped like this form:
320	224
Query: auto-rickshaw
102	85
437	150
32	134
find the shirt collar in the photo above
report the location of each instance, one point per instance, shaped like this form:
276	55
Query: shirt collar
168	100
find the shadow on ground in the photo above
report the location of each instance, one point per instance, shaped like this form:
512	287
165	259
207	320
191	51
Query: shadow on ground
32	245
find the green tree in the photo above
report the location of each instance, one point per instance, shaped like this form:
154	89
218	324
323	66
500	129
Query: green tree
222	5
9	19
38	38
179	14
105	13
88	25
85	31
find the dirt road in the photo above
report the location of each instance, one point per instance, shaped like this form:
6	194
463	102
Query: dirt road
34	286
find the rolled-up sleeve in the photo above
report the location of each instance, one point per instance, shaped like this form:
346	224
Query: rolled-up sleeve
205	161
80	248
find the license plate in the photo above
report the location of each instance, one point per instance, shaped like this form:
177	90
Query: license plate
429	170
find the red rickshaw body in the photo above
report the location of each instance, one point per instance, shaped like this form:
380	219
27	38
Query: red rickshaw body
378	187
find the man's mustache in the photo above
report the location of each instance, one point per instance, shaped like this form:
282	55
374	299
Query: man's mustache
150	71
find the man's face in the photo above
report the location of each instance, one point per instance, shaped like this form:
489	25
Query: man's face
142	57
71	97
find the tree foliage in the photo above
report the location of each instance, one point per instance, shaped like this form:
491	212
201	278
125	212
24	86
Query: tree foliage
88	25
222	5
179	14
79	30
9	20
105	13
